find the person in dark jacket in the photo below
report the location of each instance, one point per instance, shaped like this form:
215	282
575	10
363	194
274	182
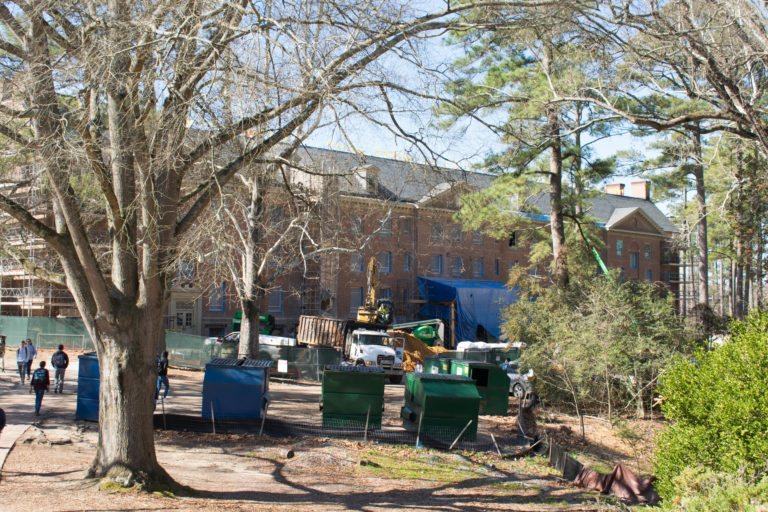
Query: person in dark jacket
39	383
162	375
59	362
31	355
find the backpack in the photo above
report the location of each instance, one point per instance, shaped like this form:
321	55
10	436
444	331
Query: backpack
38	376
161	365
59	360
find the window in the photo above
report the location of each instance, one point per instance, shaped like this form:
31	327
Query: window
513	239
477	237
277	214
407	227
477	267
386	229
216	300
666	277
649	274
512	264
356	225
436	266
355	299
619	247
456	234
496	267
385	262
356	262
633	257
184	311
535	270
437	231
647	252
386	293
457	266
186	270
275	300
407	263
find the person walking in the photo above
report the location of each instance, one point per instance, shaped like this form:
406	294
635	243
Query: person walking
59	362
31	355
2	350
21	361
39	383
162	375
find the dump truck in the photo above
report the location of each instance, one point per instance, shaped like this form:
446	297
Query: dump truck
363	343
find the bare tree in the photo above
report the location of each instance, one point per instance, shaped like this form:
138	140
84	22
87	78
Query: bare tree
128	94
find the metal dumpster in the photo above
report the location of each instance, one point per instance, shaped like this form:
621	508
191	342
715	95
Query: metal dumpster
350	394
491	381
88	388
437	365
235	388
442	404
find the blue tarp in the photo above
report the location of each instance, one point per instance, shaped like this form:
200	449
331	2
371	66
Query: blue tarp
478	303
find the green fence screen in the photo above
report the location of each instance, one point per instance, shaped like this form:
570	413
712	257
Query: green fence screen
186	350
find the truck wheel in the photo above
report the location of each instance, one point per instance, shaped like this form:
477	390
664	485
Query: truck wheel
359	362
517	391
395	379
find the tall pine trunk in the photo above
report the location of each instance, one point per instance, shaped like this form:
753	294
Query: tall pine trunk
701	226
557	224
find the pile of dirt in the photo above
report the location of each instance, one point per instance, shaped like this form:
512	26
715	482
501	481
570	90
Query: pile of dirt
415	350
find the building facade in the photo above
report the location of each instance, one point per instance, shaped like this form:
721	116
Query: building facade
401	214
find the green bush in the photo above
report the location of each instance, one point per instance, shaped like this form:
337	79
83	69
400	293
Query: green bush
702	490
717	405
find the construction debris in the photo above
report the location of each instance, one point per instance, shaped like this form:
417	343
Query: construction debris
414	351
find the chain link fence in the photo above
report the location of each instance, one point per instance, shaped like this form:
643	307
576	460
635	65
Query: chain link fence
445	438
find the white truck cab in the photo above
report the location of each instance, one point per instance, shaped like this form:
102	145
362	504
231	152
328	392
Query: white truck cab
376	348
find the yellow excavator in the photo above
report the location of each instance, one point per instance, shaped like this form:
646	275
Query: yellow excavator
373	311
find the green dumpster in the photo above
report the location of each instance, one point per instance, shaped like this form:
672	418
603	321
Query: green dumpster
442	405
350	394
491	381
437	364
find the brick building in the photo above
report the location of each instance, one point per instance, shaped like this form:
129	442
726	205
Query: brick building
405	211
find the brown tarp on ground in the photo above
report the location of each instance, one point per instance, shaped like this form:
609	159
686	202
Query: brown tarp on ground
621	482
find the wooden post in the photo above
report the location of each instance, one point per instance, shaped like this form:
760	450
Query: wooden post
453	325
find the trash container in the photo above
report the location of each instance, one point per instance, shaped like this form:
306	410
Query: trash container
352	394
235	388
88	387
437	365
491	381
443	405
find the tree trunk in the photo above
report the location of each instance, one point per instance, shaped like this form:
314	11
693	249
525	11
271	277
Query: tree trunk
127	355
557	225
249	327
701	226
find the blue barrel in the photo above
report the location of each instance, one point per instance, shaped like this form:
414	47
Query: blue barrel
235	388
88	388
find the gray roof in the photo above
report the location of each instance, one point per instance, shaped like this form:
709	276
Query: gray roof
415	182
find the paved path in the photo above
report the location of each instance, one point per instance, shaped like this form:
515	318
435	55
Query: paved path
19	404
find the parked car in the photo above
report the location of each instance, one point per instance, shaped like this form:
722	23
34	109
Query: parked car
519	384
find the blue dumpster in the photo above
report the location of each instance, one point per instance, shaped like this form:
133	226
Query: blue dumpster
235	388
88	388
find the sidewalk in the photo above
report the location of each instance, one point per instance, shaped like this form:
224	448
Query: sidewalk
19	404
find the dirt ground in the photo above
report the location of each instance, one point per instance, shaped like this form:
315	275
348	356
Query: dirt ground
46	468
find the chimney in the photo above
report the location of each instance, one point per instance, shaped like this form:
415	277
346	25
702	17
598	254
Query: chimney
616	189
640	190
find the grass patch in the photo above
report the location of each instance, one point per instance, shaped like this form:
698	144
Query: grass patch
509	487
409	464
110	486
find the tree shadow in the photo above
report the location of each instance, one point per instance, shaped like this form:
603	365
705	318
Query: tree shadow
436	497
